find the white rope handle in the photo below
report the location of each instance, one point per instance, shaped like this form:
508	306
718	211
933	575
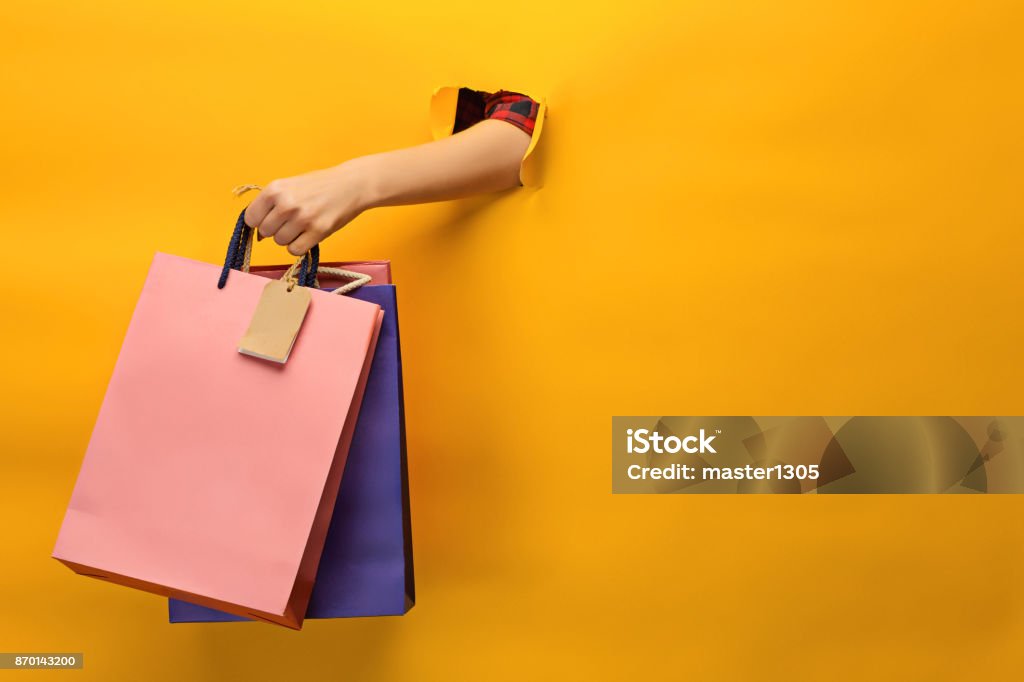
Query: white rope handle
359	279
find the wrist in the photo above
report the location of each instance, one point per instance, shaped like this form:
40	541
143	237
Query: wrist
362	177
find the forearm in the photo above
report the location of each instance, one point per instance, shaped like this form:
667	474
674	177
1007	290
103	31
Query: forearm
304	210
484	158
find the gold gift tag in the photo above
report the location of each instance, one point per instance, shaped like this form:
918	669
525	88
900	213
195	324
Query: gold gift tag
276	322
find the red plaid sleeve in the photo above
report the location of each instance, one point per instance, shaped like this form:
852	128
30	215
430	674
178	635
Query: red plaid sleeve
512	107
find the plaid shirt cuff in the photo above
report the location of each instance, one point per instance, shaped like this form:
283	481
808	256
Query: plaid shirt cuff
512	107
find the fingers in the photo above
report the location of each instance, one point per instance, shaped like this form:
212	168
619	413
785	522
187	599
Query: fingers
271	209
277	217
287	233
257	211
303	243
276	213
286	224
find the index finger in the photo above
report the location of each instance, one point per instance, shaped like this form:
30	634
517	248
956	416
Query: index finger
257	211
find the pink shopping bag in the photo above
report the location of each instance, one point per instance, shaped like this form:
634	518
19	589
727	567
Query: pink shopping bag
259	447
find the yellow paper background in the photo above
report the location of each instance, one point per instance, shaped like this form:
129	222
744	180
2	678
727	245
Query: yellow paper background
748	208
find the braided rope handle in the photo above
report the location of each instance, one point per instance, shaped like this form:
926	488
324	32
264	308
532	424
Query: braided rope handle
358	279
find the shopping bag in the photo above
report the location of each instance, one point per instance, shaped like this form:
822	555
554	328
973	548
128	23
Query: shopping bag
366	568
211	475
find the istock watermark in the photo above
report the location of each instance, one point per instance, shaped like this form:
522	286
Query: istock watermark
820	455
643	441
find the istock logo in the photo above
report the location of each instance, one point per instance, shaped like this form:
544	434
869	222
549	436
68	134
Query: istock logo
642	441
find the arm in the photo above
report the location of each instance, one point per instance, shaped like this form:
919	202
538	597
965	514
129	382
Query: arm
306	209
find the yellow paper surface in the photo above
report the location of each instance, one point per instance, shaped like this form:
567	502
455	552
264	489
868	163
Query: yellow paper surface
748	207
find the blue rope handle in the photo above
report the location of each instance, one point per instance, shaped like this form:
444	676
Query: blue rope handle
242	236
314	266
303	271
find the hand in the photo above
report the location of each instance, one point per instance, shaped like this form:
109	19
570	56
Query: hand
301	211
